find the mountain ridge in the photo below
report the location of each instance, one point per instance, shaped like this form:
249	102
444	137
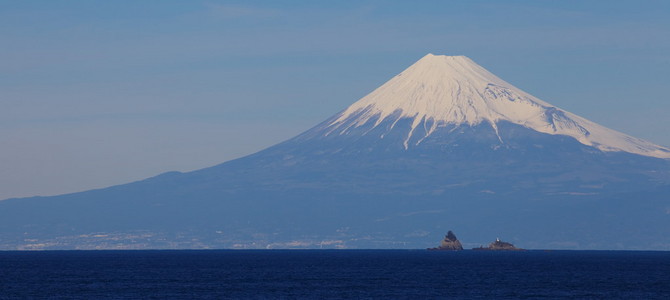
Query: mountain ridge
363	188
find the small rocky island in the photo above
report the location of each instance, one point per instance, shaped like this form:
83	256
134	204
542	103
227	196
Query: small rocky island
449	243
499	245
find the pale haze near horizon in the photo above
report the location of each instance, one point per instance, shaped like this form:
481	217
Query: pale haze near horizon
100	93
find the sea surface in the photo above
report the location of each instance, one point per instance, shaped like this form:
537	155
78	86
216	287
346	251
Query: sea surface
319	274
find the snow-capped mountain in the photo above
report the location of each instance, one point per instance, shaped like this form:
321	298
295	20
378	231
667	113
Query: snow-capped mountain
444	145
438	91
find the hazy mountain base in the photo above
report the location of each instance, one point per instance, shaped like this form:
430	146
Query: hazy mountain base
358	190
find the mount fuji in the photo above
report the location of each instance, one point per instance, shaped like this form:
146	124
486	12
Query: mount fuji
443	145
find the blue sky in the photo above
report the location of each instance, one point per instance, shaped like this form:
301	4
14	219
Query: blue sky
96	93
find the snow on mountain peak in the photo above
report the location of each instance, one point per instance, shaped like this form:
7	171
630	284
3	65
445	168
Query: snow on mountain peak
439	90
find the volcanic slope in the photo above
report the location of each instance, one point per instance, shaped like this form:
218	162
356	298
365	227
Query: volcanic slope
443	145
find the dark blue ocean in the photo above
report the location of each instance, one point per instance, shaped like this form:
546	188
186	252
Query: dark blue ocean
318	274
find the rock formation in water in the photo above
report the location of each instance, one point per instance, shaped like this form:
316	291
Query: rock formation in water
449	243
499	245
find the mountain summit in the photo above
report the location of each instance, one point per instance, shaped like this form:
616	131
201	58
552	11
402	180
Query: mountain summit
439	90
444	144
